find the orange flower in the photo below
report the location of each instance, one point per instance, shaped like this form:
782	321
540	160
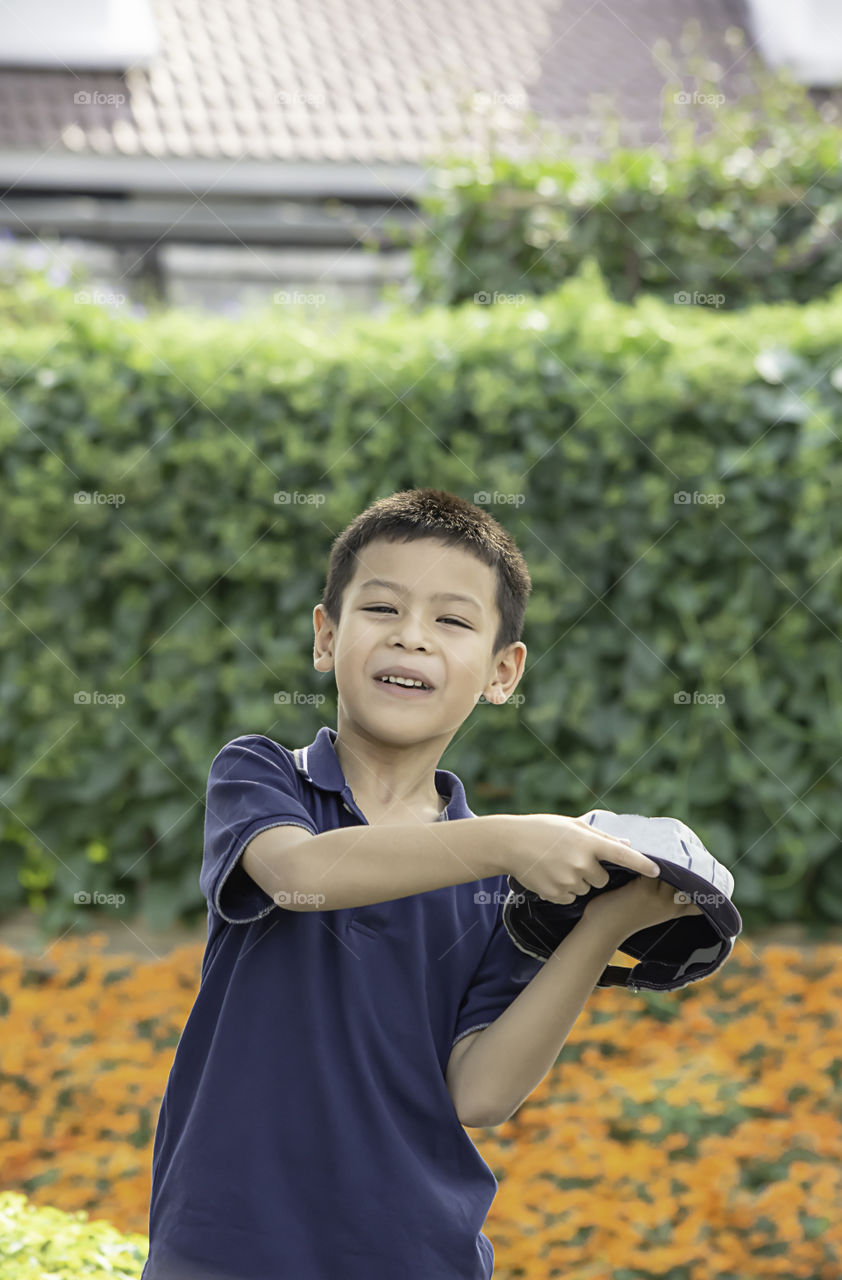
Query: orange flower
667	1145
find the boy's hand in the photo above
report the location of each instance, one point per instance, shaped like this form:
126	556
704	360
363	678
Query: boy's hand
559	858
638	904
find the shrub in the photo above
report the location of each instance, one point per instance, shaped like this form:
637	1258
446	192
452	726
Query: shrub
748	211
40	1242
669	472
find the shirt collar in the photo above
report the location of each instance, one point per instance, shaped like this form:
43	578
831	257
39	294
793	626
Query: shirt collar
319	764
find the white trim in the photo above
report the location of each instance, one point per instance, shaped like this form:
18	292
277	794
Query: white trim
300	756
481	1027
247	177
96	36
804	38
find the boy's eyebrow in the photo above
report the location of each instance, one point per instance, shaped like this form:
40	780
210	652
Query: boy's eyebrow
438	595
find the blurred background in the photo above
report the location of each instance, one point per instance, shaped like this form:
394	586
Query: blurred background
262	263
211	153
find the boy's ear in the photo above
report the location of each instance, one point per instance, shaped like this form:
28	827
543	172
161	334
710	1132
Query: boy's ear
323	641
508	669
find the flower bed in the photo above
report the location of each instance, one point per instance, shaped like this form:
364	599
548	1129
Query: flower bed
682	1135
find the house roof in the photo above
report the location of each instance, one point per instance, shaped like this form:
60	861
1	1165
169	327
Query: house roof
350	83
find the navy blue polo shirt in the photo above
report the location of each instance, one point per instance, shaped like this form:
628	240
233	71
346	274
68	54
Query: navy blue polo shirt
306	1130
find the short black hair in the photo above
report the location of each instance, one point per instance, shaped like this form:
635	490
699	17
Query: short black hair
411	514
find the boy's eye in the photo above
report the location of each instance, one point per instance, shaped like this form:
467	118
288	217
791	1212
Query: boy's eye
373	608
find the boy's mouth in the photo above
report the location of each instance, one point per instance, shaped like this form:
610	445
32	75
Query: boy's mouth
402	691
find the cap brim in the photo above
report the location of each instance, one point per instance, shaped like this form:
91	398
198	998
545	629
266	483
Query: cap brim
718	908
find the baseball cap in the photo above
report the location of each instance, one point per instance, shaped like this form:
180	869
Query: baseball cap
670	955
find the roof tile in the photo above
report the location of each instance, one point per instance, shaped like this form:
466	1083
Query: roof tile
364	80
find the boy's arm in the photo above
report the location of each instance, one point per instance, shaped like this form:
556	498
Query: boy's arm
359	865
510	1058
457	1053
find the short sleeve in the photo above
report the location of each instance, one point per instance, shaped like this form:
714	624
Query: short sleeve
501	975
252	785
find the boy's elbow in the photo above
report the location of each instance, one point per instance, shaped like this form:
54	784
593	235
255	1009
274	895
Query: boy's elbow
296	892
273	860
486	1121
490	1118
479	1115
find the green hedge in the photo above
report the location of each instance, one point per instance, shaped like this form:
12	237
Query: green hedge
192	599
38	1242
748	211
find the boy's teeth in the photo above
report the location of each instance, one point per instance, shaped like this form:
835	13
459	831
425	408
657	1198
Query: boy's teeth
412	684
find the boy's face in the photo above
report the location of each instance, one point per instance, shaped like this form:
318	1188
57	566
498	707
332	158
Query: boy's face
448	641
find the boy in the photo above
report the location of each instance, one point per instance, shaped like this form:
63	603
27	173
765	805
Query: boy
360	999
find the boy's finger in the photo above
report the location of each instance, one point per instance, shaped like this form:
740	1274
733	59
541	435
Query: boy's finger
639	862
634	860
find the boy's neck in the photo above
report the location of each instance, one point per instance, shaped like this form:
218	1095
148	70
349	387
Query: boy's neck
391	784
376	814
